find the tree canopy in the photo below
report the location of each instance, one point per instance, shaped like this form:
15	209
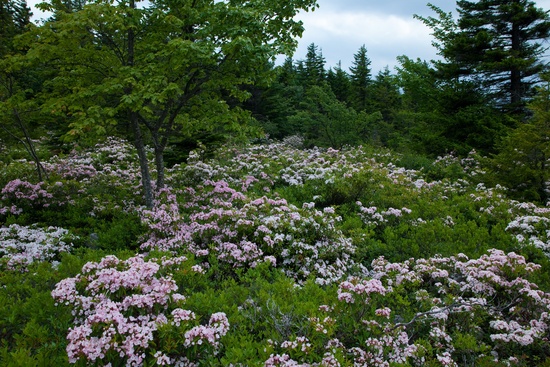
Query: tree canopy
495	43
165	68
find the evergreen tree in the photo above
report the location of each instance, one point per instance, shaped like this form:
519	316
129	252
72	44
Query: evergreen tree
385	96
496	43
440	116
287	72
522	163
60	7
360	75
313	66
15	15
281	100
339	82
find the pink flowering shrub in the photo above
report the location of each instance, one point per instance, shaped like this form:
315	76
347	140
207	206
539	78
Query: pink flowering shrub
129	311
438	311
275	164
20	195
20	246
281	235
217	220
73	167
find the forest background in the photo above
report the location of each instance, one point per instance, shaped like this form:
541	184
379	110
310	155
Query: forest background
475	97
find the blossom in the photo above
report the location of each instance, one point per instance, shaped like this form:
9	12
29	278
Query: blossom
128	325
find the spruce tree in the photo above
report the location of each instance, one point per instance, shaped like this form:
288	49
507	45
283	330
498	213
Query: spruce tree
15	15
314	65
339	82
385	95
360	74
497	43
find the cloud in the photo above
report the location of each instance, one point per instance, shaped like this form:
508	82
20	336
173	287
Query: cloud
373	28
397	7
340	34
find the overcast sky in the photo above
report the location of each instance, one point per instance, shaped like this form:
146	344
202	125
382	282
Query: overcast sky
386	27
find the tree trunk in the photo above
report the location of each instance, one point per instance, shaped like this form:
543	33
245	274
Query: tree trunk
134	122
159	163
143	163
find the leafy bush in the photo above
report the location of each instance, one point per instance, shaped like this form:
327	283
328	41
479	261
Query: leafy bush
318	257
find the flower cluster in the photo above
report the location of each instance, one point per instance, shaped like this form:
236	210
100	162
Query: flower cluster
449	297
23	194
533	230
241	231
375	217
21	245
120	306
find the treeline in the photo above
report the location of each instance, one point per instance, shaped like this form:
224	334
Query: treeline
176	73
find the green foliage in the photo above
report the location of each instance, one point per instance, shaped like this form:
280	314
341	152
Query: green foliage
498	45
522	160
325	121
197	72
169	69
313	67
14	18
360	80
400	207
32	327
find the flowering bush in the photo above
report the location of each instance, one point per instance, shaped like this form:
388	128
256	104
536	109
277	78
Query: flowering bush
240	231
129	311
20	245
533	230
283	237
23	194
438	311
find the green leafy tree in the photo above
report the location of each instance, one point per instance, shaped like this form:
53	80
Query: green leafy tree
417	123
19	115
360	75
522	163
164	69
16	112
327	122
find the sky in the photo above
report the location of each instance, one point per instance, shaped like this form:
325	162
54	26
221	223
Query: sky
386	28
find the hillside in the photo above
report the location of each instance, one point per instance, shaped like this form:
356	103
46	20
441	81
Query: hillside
270	255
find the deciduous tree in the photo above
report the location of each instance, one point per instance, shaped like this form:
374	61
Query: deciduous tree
164	68
15	82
